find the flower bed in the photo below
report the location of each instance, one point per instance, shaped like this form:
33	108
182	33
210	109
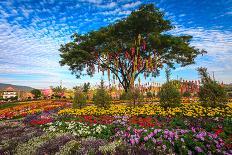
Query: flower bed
121	129
190	110
184	141
30	108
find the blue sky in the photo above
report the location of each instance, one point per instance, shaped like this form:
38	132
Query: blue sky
31	32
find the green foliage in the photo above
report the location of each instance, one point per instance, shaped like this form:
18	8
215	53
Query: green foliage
186	94
86	87
211	93
178	122
69	148
13	98
209	126
9	105
149	94
37	93
169	95
126	95
132	94
102	98
117	39
136	95
79	98
58	91
227	123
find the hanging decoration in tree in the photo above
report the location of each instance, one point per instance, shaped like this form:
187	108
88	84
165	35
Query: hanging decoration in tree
136	59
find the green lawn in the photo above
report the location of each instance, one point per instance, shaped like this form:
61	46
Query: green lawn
8	105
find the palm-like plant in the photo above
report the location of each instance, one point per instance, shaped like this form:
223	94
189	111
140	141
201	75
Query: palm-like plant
58	91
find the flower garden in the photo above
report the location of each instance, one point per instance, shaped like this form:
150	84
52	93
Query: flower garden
53	127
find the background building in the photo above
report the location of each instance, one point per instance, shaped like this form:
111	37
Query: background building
9	93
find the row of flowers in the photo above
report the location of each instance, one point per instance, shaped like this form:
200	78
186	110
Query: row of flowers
148	121
79	129
176	140
149	100
168	141
191	110
23	110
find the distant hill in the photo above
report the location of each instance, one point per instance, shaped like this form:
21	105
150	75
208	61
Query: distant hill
3	86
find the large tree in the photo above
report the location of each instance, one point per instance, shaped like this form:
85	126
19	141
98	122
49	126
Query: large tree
132	46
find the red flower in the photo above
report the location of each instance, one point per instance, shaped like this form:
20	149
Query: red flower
218	131
41	121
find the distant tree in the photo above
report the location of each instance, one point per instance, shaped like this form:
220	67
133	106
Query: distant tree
136	95
58	91
211	93
37	93
133	95
186	94
169	95
13	98
86	87
149	94
102	98
80	98
128	48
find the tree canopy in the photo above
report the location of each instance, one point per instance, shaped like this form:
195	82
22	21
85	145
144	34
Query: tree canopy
36	92
128	48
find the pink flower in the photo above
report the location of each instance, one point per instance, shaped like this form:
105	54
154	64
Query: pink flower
136	140
132	141
146	138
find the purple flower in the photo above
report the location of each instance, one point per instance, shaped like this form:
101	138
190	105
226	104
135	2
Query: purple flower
218	146
190	152
198	149
200	136
193	129
136	140
164	147
154	140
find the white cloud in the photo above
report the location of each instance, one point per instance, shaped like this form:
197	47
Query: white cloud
218	45
124	12
92	1
229	13
132	5
112	12
108	5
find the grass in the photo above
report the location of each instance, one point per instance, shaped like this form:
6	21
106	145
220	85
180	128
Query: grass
8	105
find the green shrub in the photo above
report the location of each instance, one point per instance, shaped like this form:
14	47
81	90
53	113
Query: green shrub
169	95
132	95
101	98
186	94
37	93
149	95
126	95
79	99
211	93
